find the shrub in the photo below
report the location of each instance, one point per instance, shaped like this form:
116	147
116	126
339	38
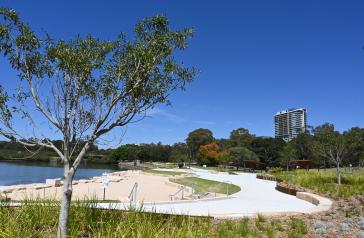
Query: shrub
275	170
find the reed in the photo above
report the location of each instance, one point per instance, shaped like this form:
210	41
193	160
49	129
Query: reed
324	181
38	218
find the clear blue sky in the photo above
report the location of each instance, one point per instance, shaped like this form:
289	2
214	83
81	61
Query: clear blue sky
255	57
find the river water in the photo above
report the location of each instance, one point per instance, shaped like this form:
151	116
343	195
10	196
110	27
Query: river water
24	172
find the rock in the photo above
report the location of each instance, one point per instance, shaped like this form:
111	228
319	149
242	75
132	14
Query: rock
9	190
344	227
54	182
360	234
349	221
320	227
319	224
326	218
19	188
361	224
321	230
330	225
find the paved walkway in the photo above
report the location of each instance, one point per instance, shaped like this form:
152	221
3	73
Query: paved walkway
256	196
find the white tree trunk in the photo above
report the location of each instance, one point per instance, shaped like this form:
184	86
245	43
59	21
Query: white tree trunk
338	174
65	203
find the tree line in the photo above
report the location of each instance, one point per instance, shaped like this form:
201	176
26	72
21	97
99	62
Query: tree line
323	145
15	146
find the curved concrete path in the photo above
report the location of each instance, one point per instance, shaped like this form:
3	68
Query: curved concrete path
256	196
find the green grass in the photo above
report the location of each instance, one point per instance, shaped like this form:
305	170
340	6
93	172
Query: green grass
163	165
205	185
298	228
39	219
172	173
324	181
230	170
261	227
36	220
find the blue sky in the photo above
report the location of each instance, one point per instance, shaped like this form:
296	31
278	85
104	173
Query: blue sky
255	57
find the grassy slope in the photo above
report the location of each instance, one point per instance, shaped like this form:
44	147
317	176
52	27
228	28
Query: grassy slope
163	172
204	185
324	181
41	221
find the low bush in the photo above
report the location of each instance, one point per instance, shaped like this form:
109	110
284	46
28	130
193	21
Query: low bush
40	218
324	181
275	170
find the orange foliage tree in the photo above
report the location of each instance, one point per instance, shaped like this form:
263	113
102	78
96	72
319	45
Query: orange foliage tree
207	154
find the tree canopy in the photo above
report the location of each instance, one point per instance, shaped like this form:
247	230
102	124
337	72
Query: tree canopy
241	137
208	153
84	87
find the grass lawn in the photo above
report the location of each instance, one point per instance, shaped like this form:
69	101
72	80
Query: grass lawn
172	173
164	165
230	170
37	220
205	185
324	181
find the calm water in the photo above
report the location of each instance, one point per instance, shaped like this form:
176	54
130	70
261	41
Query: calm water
37	172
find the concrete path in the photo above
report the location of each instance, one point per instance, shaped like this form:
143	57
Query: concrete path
256	196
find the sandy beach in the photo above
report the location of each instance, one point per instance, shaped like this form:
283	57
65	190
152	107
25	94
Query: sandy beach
151	188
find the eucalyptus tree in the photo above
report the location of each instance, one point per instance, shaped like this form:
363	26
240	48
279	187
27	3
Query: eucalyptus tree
354	139
241	154
85	87
241	137
196	139
268	150
331	144
288	153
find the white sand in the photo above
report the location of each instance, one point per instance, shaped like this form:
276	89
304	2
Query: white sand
151	188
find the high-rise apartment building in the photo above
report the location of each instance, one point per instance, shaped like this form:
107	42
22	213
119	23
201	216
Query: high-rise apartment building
289	123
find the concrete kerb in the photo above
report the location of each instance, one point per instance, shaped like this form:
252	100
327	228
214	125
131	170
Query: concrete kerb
188	201
322	203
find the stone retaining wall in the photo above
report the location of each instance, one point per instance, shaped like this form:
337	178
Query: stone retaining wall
266	177
284	188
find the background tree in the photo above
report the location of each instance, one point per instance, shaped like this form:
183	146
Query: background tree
86	87
361	161
197	138
120	153
268	149
354	139
288	154
224	144
223	157
240	154
179	152
157	152
304	146
330	144
241	137
207	154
